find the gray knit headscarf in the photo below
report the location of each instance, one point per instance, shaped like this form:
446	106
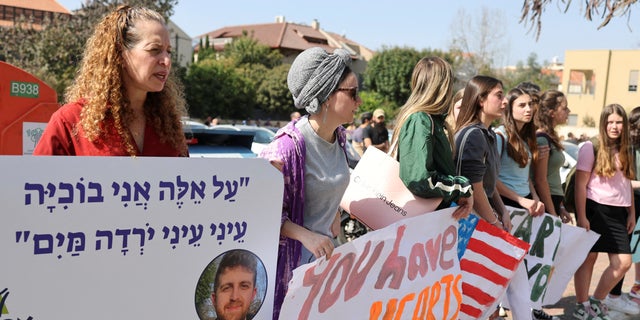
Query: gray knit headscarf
314	75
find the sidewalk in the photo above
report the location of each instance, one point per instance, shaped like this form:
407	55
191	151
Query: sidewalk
564	307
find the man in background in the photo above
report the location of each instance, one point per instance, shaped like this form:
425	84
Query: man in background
357	137
376	134
295	115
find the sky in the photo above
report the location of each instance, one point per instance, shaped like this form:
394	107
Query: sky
419	24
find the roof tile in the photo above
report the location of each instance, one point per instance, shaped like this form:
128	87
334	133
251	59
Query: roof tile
42	5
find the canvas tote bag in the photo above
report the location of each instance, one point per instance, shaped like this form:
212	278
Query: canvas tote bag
377	197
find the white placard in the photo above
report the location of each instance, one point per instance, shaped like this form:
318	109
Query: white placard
129	238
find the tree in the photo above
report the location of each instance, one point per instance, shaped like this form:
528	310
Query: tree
204	49
246	50
388	76
478	41
53	53
262	67
372	100
273	94
532	71
216	88
532	11
588	121
389	73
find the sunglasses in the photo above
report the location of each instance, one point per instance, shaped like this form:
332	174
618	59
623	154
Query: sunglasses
353	92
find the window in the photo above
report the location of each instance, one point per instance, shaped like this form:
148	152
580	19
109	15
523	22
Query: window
572	120
582	82
633	80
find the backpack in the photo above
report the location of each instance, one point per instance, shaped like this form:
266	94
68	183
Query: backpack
570	183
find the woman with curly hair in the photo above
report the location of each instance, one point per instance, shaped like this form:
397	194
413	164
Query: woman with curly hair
124	101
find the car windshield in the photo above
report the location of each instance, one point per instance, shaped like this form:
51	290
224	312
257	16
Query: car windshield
262	135
221	143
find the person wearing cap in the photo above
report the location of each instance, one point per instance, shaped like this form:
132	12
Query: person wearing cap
357	138
310	152
376	134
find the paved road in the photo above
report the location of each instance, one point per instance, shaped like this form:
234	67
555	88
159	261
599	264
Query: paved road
564	308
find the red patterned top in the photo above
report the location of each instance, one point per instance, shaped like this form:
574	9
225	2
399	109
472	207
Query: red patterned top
60	138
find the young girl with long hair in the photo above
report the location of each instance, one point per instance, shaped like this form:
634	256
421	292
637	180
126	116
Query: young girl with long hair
476	153
552	111
516	142
604	204
423	147
617	300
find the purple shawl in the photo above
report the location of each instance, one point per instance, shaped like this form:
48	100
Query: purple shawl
288	147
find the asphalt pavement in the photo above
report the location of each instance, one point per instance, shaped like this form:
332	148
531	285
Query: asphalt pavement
564	308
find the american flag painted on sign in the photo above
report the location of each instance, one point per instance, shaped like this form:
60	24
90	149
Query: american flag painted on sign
488	263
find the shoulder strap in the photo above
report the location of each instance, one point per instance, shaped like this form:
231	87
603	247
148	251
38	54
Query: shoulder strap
596	144
461	148
549	142
504	142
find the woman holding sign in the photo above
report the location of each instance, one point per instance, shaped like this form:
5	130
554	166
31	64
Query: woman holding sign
124	101
422	145
311	154
516	142
476	153
604	204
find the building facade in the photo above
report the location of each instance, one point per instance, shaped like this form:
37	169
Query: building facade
34	11
181	43
593	79
292	38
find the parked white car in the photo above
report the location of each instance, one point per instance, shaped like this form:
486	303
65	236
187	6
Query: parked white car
570	159
262	136
203	142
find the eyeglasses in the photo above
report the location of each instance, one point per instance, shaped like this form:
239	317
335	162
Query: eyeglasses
353	92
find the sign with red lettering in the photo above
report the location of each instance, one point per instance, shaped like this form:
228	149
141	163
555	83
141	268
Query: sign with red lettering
408	270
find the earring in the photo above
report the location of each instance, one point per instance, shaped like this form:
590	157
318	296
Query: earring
324	117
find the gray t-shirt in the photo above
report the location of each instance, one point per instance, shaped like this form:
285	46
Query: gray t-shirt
325	179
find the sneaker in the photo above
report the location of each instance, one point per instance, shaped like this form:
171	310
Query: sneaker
635	291
539	314
502	312
622	304
599	308
582	313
